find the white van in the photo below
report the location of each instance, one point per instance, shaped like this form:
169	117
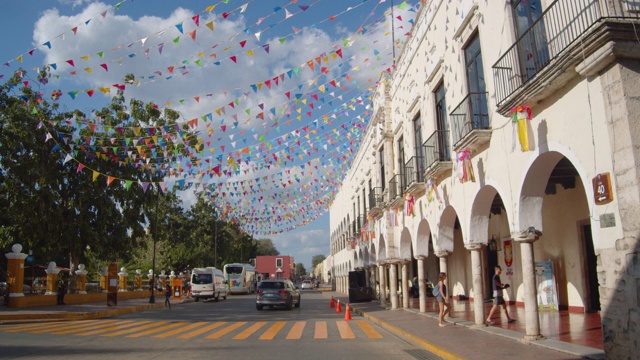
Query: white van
207	283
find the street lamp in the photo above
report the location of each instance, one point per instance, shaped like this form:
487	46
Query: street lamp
152	297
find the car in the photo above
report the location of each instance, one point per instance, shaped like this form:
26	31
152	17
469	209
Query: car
277	293
306	284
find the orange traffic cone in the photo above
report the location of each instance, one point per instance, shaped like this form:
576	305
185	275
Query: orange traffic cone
347	313
333	303
338	307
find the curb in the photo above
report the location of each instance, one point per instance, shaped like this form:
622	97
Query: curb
409	337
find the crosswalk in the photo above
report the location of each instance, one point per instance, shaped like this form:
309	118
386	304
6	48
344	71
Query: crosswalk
240	330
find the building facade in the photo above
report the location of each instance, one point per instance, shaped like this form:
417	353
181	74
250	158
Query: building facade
507	135
275	267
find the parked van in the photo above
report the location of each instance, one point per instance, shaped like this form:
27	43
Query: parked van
207	283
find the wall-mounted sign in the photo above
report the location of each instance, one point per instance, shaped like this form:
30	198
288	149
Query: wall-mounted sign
602	189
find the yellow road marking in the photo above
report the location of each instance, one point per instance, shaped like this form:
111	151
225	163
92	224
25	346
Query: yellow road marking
180	330
39	326
250	330
273	330
296	331
345	330
73	328
156	330
119	326
321	330
226	330
202	331
369	330
129	331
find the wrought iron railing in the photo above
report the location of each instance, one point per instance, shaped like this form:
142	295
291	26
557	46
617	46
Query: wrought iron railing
375	198
396	186
413	171
436	148
471	114
561	24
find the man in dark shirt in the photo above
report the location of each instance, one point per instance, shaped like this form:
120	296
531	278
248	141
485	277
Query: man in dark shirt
498	299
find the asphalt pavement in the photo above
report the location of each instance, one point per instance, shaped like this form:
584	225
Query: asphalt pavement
460	339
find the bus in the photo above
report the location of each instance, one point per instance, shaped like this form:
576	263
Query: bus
240	277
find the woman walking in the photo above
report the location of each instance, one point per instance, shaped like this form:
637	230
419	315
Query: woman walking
167	297
440	291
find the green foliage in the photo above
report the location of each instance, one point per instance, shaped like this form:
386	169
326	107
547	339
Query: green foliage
317	259
265	247
300	270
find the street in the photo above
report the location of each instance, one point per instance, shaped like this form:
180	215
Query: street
228	329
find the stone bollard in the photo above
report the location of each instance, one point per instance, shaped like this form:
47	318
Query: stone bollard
52	279
138	278
15	270
163	279
122	276
104	274
82	279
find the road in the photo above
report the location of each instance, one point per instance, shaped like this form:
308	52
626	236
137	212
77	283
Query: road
228	329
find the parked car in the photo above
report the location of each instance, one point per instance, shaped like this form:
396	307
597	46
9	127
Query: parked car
277	293
306	284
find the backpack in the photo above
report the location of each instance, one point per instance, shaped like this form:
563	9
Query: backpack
436	290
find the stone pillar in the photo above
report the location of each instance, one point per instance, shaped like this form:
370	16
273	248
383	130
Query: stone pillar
15	270
122	277
163	279
373	280
405	285
476	274
138	279
52	279
81	273
393	286
442	255
367	276
104	275
422	284
383	284
532	321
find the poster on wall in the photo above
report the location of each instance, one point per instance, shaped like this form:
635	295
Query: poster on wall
509	260
546	285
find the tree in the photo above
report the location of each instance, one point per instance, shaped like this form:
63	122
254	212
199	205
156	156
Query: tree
265	247
300	270
317	259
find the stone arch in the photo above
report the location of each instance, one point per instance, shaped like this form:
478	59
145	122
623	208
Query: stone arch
421	243
404	248
444	242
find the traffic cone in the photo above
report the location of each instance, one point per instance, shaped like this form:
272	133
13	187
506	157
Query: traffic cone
333	303
347	313
338	307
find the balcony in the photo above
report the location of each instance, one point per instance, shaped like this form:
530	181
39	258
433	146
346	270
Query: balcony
470	126
376	202
395	191
437	155
414	176
545	56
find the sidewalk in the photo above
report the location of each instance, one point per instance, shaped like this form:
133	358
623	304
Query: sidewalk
460	340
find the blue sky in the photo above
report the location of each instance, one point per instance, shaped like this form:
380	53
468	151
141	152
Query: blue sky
280	89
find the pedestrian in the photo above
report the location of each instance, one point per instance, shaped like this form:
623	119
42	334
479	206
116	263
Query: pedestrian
440	292
498	299
151	286
167	297
62	289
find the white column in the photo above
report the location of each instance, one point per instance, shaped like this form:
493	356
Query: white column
374	280
442	255
405	285
476	274
532	321
393	286
422	288
383	284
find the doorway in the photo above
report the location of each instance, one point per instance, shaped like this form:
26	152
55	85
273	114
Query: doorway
593	296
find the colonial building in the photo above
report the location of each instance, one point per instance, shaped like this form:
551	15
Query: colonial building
275	267
507	135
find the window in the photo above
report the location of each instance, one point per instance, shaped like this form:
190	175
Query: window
401	160
477	88
532	46
442	124
417	137
382	171
279	262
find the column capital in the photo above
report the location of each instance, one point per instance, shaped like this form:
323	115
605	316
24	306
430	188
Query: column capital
527	236
420	257
442	253
474	247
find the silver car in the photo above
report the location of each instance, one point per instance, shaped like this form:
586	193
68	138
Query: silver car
277	293
306	284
